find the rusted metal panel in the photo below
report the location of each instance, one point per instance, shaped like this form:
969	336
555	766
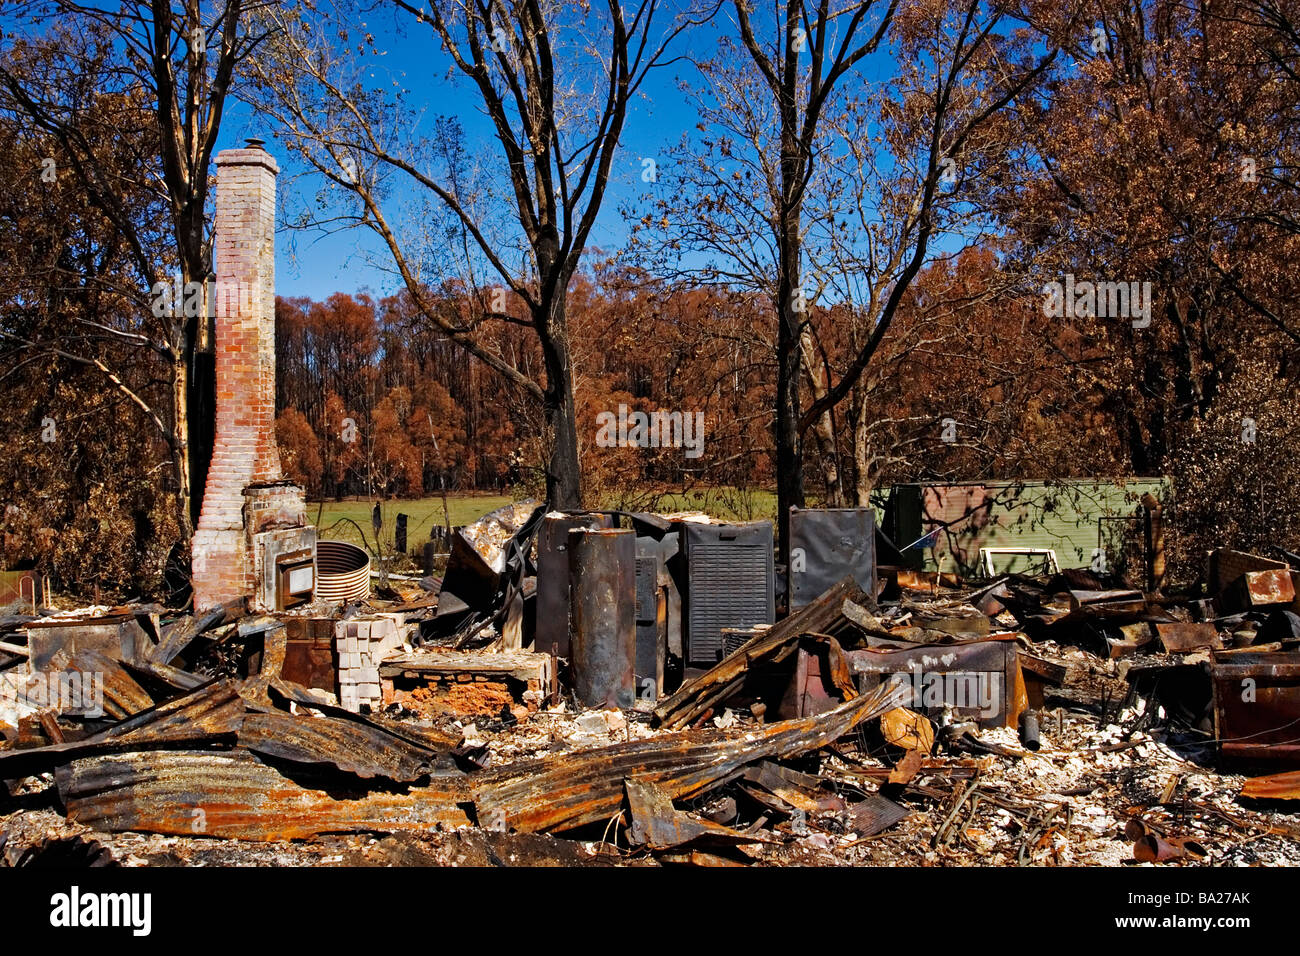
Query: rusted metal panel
560	793
602	599
122	696
1225	566
357	747
1277	786
240	796
1262	588
237	796
1257	705
209	716
658	825
696	696
553	577
114	639
981	681
1179	637
874	814
309	652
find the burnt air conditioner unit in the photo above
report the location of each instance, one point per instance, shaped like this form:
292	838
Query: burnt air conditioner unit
729	583
825	545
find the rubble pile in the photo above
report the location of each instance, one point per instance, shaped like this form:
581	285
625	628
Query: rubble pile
1063	719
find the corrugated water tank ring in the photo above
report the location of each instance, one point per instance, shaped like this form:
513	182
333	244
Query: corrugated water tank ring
342	572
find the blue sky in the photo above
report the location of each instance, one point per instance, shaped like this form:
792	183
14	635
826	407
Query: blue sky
657	118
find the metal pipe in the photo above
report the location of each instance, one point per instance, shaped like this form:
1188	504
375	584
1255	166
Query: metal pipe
1029	737
602	608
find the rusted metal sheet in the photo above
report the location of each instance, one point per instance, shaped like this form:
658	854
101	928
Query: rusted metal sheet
1257	705
821	678
727	677
1153	848
358	748
553	577
980	681
1225	566
1180	638
429	738
1262	588
209	716
180	634
560	793
658	825
799	790
117	637
602	604
309	652
874	814
122	696
1277	786
237	796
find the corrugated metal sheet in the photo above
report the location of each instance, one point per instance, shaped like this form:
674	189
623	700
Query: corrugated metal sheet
354	747
237	796
209	715
570	790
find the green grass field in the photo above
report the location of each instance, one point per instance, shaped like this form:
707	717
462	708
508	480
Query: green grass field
422	514
350	520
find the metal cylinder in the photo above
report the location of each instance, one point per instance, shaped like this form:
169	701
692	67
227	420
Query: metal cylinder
1154	849
342	572
552	630
602	616
1029	737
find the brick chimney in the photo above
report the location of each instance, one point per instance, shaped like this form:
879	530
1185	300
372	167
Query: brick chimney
253	522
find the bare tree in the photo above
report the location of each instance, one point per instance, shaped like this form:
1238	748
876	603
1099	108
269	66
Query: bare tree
555	80
791	157
184	58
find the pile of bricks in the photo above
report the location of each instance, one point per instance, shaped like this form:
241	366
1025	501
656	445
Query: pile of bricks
362	643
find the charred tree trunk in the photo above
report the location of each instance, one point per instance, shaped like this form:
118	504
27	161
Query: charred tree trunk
563	477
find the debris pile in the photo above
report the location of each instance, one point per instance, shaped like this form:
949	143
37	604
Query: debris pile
1062	719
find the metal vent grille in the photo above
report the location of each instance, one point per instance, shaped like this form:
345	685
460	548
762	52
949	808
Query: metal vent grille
730	586
647	575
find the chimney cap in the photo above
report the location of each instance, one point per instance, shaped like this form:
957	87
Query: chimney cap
255	143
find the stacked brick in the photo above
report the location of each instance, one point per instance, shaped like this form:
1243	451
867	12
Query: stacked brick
362	643
245	451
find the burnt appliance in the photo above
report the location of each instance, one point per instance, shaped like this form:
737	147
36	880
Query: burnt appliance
729	583
825	545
